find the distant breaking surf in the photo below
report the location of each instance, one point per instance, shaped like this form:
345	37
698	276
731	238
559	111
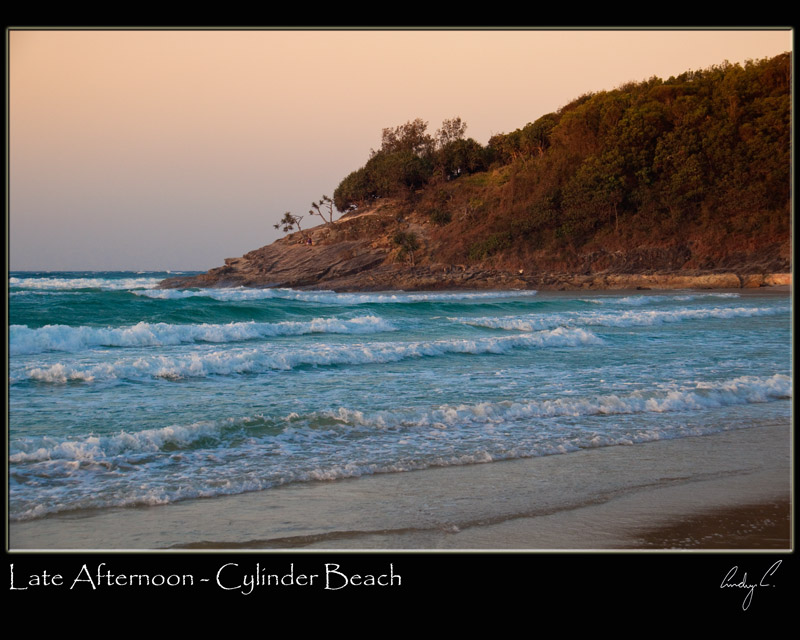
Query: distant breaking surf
24	341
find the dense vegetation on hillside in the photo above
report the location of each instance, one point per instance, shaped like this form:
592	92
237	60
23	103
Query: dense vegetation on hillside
699	158
410	158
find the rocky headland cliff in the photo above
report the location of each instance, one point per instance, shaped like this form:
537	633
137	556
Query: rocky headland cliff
676	183
359	252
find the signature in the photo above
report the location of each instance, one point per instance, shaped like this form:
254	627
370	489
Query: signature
728	581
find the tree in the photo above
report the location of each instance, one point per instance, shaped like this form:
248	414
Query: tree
289	222
322	208
355	190
399	172
450	131
406	161
410	136
596	191
408	243
536	135
460	157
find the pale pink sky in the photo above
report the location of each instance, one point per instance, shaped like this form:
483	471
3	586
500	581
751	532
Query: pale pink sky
176	149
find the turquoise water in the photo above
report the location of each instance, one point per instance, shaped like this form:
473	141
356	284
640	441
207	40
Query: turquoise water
121	394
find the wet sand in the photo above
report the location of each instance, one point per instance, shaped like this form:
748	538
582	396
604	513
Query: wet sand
729	490
759	526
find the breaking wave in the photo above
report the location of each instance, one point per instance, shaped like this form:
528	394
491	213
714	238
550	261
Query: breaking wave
327	297
616	319
638	301
742	390
25	341
63	284
174	438
275	358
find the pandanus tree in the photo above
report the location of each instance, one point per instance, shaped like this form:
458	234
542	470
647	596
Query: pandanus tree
323	209
289	222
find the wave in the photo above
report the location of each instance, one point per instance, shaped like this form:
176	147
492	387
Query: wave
616	319
96	448
173	438
275	358
237	455
104	284
645	299
701	395
26	341
326	297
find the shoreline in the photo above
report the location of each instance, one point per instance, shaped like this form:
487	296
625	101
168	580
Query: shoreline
357	263
450	277
727	490
441	277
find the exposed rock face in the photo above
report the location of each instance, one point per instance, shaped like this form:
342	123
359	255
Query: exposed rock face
357	253
288	265
342	250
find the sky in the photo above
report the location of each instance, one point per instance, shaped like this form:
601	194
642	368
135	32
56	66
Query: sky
175	149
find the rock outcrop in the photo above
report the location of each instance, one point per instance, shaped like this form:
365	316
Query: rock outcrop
358	253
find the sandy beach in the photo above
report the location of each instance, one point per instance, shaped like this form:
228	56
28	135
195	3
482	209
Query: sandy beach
730	490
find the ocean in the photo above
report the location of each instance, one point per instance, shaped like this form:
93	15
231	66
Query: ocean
125	395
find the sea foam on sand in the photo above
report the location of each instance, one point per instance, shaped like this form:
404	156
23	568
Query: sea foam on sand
604	498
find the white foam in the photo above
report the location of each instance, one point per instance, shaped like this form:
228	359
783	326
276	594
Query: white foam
617	319
648	299
179	462
701	395
328	297
270	357
23	340
107	284
98	448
